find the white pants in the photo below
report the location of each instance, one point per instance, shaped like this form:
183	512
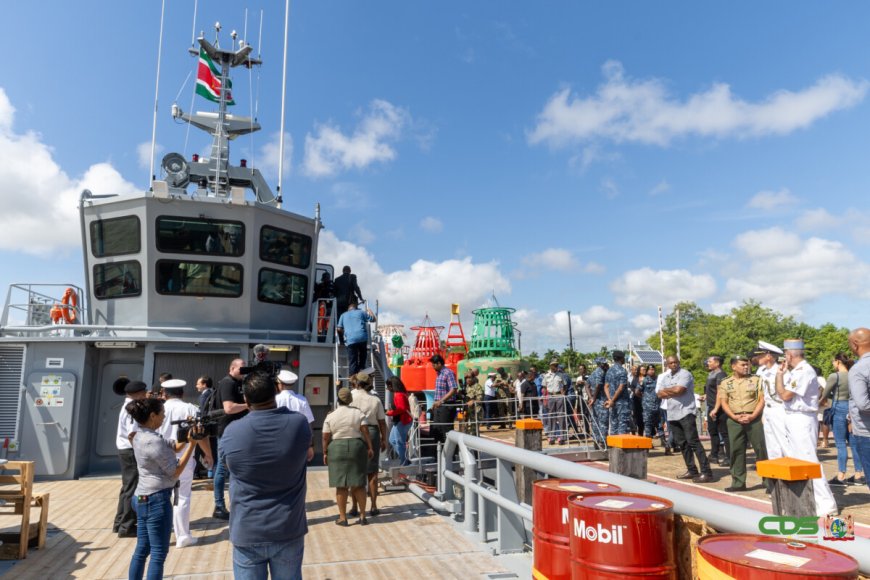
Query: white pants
775	437
181	512
803	437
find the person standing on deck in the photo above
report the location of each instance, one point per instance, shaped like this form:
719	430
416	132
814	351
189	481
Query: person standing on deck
376	419
353	328
597	398
346	290
798	387
742	402
678	390
616	391
125	515
231	400
443	411
175	409
287	397
717	423
775	437
859	391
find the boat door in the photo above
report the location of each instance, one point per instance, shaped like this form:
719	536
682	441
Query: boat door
110	404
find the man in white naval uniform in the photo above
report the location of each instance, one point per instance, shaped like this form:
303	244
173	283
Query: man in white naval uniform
176	409
287	397
773	416
797	386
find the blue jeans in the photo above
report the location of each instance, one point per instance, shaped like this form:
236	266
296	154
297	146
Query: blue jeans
220	477
861	445
399	441
154	522
283	560
842	438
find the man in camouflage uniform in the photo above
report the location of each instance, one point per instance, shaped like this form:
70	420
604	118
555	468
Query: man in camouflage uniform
742	400
473	406
597	398
616	391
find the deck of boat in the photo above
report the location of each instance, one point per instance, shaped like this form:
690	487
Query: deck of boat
406	539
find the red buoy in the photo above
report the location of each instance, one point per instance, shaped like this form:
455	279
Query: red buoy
745	557
621	535
551	549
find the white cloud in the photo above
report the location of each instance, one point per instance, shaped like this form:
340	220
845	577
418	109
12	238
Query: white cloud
635	110
431	224
590	155
661	187
648	288
644	321
594	268
852	221
786	272
143	153
270	155
597	313
329	151
722	308
361	234
769	200
818	219
39	199
424	287
543	331
552	259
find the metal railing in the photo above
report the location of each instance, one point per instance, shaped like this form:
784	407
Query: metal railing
484	470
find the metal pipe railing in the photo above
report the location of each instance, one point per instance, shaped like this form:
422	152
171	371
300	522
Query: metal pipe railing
722	516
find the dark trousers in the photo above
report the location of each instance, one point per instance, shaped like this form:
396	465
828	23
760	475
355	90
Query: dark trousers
687	441
718	429
442	423
356	357
738	434
125	516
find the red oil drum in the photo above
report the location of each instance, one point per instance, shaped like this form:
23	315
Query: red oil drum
621	535
745	556
550	523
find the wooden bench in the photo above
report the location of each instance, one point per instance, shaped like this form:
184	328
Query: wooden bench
17	497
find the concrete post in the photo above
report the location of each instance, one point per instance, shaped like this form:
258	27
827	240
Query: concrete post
628	455
792	490
529	435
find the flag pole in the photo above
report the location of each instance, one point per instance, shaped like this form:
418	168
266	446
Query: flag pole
151	176
661	335
283	105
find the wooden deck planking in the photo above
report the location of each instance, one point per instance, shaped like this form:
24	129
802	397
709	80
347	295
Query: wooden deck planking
406	536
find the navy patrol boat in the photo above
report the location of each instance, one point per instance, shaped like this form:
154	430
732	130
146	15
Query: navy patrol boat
182	278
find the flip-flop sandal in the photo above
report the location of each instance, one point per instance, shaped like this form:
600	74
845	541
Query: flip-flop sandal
363	522
342	523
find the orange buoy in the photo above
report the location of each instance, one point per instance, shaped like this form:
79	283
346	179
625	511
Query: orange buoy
69	305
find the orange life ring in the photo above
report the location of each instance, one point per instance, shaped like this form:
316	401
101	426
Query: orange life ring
68	306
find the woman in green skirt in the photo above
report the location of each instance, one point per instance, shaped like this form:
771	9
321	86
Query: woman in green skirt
346	450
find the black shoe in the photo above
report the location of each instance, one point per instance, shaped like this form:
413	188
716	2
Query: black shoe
668	451
221	513
859	480
840	482
723	462
733	488
714	459
353	513
703	478
687	475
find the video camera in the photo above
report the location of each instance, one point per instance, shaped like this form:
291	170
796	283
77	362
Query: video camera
199	427
260	365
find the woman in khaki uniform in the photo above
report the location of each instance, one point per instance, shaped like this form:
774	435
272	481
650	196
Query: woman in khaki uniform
347	448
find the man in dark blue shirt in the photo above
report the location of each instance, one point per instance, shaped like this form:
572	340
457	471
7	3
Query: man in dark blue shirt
266	453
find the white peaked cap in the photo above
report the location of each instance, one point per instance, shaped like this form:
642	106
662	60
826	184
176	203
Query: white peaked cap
174	384
769	347
287	377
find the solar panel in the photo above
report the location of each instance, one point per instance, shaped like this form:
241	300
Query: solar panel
650	357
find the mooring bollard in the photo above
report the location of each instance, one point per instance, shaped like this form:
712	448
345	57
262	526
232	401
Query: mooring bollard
528	436
792	491
628	454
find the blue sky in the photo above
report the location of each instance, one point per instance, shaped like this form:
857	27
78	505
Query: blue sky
602	158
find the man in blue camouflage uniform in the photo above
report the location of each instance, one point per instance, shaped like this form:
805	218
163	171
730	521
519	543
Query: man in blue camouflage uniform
597	398
616	391
652	421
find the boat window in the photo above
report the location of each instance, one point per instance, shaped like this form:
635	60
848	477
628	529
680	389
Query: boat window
189	235
282	287
115	236
189	278
117	280
285	247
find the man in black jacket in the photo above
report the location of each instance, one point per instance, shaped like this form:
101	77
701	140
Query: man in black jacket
346	288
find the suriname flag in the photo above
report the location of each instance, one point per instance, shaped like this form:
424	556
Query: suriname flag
208	80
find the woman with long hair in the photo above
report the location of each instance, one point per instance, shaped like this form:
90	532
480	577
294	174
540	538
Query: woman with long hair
159	470
347	448
837	388
402	419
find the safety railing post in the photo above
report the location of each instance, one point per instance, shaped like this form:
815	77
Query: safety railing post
511	531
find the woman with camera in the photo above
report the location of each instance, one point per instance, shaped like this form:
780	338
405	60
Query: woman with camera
159	470
347	448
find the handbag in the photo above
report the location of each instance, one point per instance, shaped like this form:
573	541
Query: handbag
828	414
